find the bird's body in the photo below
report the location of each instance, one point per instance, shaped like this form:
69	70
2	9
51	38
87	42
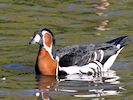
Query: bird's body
87	58
44	61
76	59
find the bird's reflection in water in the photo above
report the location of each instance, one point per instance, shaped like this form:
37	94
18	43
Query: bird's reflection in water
45	85
103	26
104	4
98	85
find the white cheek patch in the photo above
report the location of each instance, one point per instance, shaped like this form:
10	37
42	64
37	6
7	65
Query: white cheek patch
37	38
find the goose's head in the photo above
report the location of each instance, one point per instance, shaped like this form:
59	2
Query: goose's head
44	37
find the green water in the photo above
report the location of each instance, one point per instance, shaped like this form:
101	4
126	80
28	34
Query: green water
72	22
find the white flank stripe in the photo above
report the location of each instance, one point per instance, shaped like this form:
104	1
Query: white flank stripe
95	56
102	55
100	65
111	60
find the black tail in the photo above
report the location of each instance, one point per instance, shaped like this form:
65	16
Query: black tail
123	41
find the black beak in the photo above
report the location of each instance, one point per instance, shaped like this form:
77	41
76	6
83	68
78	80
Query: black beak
32	42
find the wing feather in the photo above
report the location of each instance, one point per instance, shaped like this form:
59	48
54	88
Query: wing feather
83	54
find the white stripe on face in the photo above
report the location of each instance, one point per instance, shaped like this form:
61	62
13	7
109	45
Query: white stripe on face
37	38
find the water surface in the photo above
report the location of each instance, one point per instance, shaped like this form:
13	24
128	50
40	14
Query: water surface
72	22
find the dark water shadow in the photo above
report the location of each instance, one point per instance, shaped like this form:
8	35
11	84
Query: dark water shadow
18	67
